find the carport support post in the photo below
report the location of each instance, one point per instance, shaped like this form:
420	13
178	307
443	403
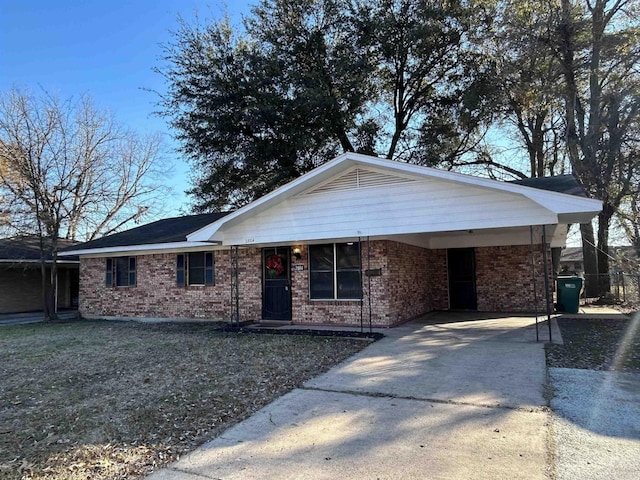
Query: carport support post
535	286
546	277
235	293
369	280
361	286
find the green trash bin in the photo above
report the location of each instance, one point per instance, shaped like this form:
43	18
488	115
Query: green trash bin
568	290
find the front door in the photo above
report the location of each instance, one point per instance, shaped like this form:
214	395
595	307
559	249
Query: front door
276	297
462	279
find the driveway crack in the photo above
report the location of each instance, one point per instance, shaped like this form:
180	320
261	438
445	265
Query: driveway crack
529	409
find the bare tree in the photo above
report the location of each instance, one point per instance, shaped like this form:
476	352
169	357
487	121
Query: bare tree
599	51
68	170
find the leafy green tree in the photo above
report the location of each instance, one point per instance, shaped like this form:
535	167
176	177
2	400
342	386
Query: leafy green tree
302	81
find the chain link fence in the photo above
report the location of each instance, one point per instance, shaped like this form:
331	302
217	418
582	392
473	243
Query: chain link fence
624	288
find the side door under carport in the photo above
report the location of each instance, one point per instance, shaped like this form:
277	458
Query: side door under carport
461	263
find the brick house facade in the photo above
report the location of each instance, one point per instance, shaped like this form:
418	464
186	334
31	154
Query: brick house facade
412	282
156	294
438	240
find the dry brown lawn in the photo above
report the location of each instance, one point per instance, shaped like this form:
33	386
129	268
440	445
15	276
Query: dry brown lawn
117	400
598	344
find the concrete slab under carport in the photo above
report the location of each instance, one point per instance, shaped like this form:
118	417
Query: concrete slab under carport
434	399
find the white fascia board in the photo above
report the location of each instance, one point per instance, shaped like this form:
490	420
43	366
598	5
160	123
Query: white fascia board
144	249
577	217
553	201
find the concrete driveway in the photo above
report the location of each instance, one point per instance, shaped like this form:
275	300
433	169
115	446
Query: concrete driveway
463	399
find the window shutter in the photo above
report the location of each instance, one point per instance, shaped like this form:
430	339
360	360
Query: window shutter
109	273
132	271
209	269
180	269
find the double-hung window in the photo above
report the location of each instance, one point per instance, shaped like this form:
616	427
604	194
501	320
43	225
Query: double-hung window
195	268
120	272
334	271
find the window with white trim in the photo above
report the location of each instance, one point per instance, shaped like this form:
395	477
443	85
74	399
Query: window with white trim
120	272
195	268
335	271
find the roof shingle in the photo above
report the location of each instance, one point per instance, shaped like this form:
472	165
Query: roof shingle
167	230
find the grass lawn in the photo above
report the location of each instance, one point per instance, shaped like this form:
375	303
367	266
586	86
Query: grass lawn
597	344
116	400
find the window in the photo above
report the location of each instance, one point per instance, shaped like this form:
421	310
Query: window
195	268
120	272
334	271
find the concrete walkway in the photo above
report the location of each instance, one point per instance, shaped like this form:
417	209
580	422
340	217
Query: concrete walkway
463	399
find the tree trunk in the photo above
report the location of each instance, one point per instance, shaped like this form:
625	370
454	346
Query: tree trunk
45	289
604	220
590	260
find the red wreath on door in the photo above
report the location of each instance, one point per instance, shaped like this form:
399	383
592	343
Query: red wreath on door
274	266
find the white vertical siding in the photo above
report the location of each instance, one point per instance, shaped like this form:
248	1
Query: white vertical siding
360	203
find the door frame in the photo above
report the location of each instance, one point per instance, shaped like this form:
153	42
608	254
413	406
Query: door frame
278	250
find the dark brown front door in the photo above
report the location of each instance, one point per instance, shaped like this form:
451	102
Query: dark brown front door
462	279
276	270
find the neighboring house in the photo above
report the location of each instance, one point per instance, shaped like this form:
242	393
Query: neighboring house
357	239
571	261
21	276
623	259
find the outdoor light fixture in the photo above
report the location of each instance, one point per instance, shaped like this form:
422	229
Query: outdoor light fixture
297	253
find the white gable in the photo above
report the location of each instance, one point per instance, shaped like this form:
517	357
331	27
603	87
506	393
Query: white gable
355	195
344	209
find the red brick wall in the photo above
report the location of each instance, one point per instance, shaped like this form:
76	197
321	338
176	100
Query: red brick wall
339	312
157	295
402	291
408	283
438	280
413	281
504	280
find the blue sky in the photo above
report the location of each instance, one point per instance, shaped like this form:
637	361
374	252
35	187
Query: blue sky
103	48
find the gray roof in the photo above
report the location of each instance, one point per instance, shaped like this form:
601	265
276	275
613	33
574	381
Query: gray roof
560	183
167	230
27	249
